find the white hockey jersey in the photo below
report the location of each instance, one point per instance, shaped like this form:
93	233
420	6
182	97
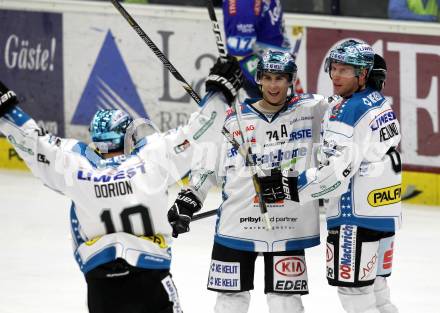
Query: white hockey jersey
284	140
119	205
360	168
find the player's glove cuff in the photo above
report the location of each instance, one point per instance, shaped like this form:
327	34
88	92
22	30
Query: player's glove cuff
290	185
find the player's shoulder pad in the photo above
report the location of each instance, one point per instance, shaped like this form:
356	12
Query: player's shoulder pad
351	111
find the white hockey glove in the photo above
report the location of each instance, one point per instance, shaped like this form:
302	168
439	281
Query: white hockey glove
226	77
180	214
8	99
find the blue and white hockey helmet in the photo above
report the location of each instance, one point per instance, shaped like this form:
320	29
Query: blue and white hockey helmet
276	62
107	129
352	52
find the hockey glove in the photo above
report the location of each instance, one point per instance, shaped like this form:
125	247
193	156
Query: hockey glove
226	77
290	185
180	214
8	99
271	186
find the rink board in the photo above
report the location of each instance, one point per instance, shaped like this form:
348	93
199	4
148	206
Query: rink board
94	59
428	184
9	158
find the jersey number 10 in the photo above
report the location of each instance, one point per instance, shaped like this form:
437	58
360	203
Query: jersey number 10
125	215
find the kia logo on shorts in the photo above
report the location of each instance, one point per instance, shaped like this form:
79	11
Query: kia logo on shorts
291	266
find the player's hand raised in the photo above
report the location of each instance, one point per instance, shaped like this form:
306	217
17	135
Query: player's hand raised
225	76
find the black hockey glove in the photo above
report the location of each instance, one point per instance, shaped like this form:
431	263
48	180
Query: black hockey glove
8	99
180	214
271	186
290	185
225	76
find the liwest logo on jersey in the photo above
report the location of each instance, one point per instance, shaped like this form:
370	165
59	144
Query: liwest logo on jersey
109	87
381	119
112	184
115	176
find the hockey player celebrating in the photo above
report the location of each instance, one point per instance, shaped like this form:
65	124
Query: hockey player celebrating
279	128
360	175
122	238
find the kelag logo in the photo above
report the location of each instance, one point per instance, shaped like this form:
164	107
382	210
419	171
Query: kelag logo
109	86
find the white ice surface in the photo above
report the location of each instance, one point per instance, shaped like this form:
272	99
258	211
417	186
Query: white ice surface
39	275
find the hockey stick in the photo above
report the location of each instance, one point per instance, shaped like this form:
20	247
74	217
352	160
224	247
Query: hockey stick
253	168
203	215
216	29
247	154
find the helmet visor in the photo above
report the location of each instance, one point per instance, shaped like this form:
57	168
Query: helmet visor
138	133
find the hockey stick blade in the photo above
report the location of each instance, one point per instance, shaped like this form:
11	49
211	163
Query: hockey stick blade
410	193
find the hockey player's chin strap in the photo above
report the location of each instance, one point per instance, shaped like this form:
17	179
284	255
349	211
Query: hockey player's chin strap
360	88
292	93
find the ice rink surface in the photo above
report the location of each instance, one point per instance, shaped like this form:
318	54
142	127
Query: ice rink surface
39	275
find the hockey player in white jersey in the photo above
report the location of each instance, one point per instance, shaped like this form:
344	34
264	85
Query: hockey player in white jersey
281	129
360	176
121	235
